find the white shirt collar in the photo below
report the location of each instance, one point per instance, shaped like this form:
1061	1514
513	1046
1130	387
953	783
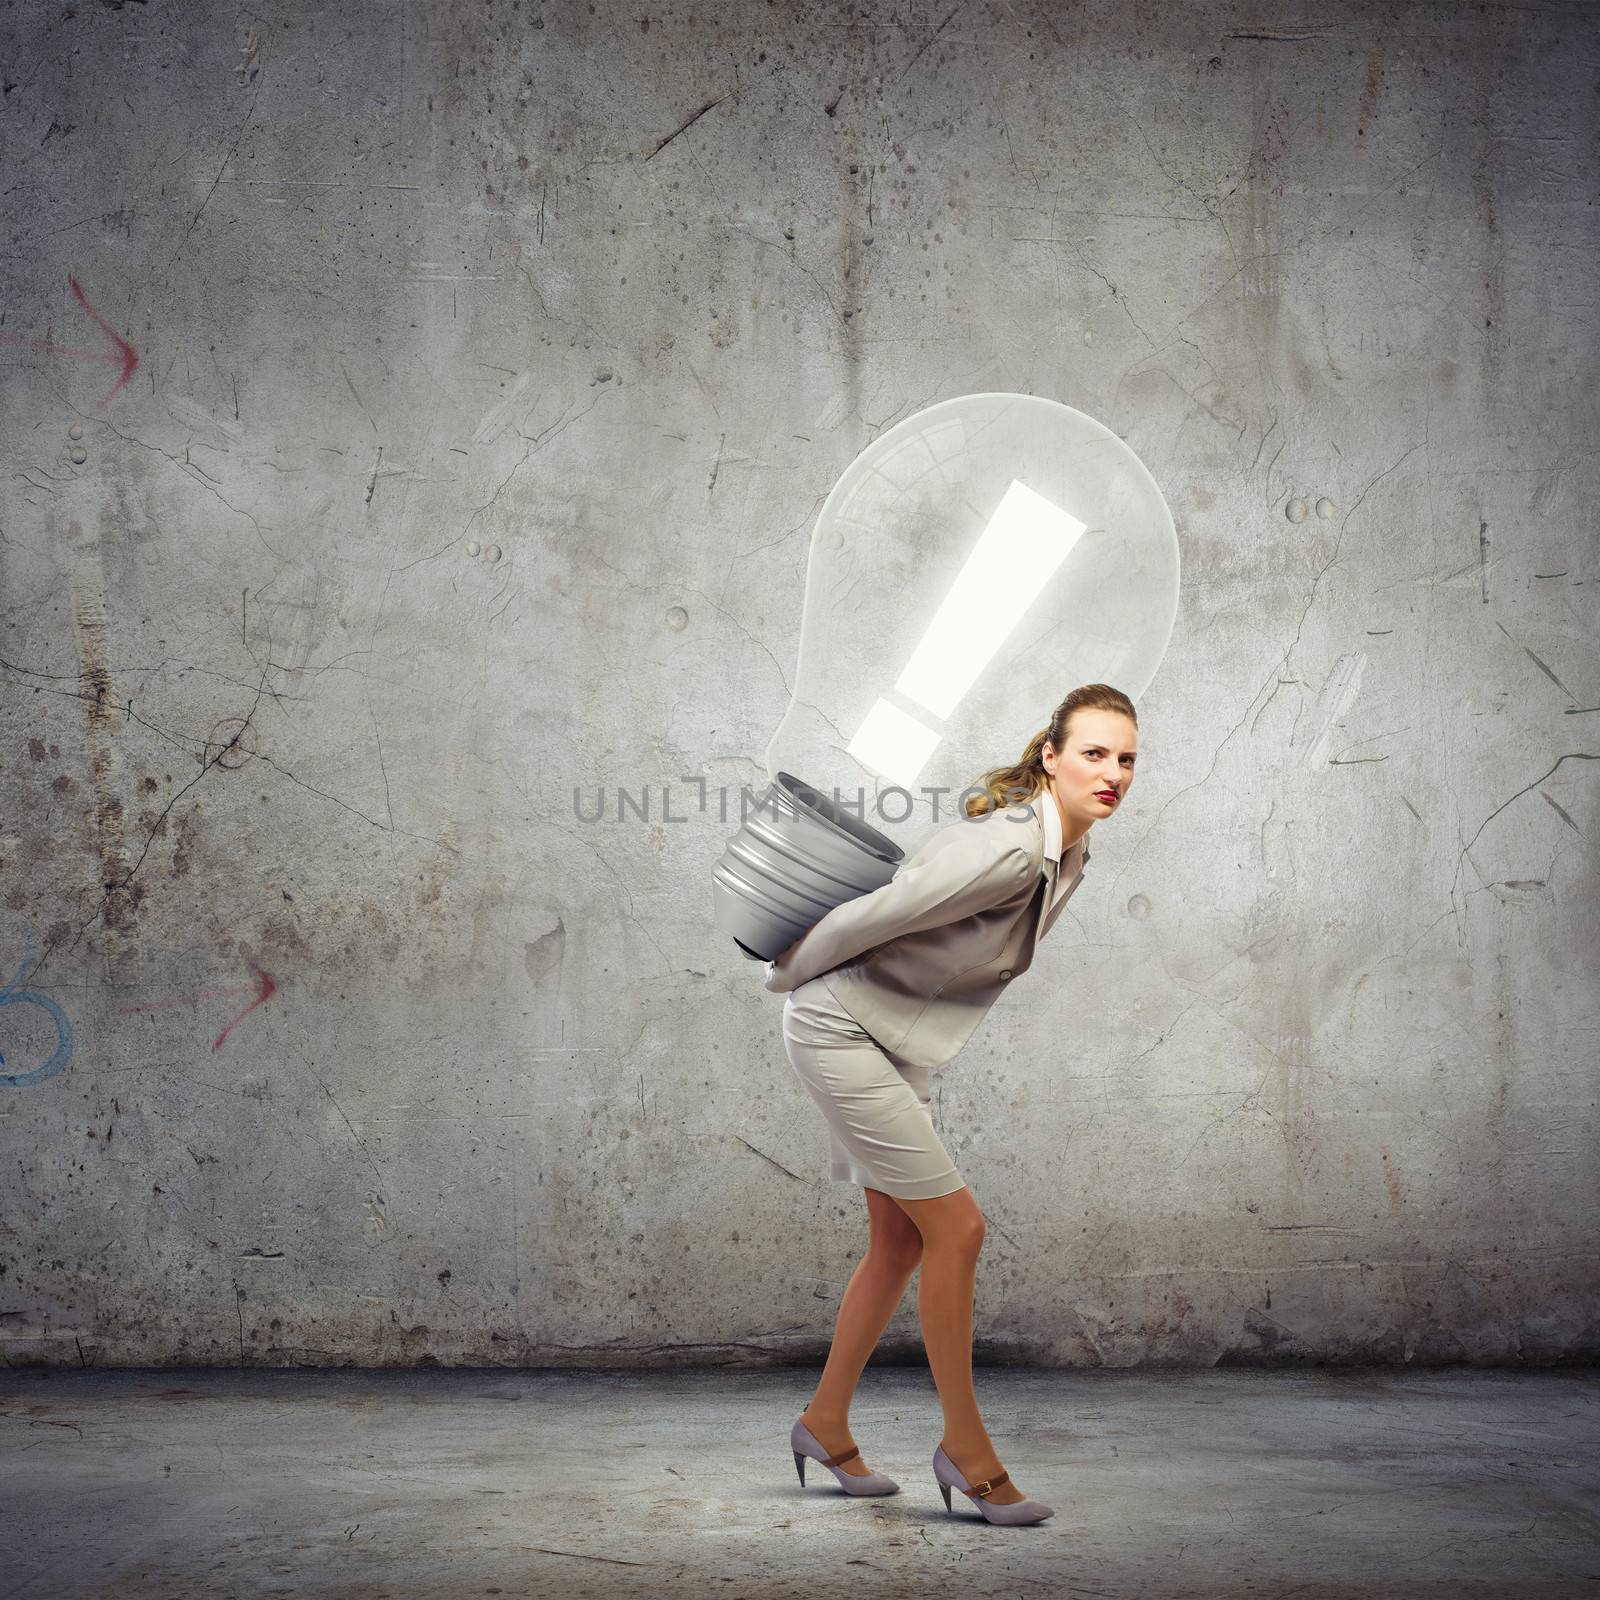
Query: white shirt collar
1046	802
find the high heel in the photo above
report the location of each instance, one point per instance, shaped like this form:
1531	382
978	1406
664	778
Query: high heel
805	1444
951	1477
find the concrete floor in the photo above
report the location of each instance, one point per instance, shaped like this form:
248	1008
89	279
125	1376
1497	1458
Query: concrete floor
465	1483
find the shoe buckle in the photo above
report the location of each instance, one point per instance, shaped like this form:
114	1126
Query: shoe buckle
986	1487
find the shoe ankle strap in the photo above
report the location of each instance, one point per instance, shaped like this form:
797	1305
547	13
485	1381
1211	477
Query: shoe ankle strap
988	1486
844	1455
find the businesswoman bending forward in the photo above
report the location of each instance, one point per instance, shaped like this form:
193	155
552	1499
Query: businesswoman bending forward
890	985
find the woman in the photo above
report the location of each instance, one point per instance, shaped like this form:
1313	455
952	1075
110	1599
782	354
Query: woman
890	985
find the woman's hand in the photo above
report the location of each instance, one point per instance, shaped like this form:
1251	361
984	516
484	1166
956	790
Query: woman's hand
774	965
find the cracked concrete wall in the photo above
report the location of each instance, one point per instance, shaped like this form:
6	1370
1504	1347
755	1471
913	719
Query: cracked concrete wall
413	414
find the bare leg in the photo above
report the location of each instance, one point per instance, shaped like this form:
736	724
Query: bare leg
869	1301
952	1230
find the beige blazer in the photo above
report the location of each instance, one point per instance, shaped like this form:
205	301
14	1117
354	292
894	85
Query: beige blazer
919	961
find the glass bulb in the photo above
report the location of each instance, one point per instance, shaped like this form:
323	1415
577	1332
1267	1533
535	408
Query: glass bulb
972	566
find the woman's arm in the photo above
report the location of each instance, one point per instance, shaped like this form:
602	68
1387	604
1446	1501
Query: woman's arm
953	883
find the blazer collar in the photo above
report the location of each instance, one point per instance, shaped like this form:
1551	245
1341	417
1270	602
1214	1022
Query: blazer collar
1044	803
1048	820
1047	842
1044	807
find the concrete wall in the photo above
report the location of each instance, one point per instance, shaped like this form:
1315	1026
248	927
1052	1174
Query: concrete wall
338	1036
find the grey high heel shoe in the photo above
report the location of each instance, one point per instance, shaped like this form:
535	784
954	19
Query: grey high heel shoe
804	1443
950	1477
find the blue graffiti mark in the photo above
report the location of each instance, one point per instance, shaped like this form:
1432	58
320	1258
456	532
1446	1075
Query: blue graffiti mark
11	995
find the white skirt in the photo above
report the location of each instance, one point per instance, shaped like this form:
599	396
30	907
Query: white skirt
881	1130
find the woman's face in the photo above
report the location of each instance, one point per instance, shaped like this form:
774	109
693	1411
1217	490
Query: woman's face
1101	747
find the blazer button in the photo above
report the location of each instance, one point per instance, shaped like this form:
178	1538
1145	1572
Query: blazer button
1006	974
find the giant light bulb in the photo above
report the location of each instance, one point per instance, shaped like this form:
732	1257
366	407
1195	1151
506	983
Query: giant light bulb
972	566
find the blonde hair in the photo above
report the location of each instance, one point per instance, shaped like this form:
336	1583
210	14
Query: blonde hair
1004	786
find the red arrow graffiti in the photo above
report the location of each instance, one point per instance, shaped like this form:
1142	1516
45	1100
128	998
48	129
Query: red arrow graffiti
125	356
185	1000
265	989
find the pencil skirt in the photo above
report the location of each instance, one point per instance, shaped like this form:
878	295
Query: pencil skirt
880	1128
